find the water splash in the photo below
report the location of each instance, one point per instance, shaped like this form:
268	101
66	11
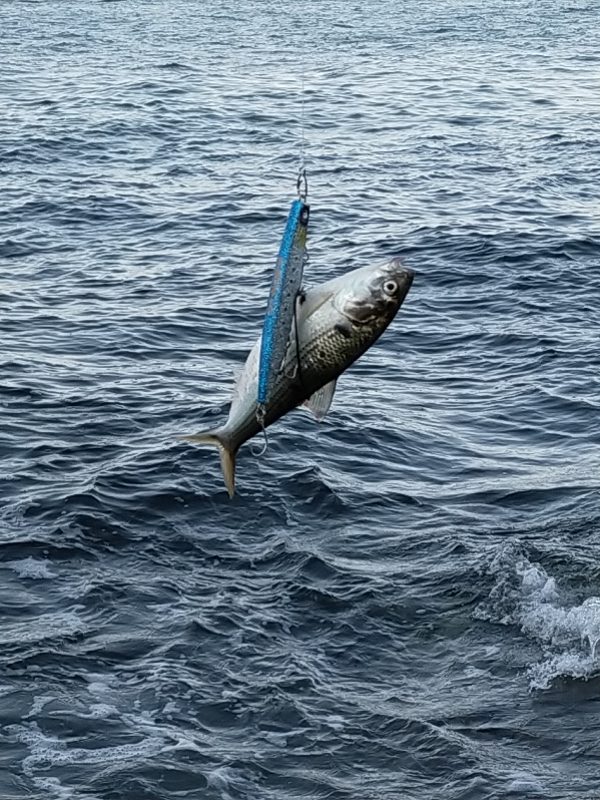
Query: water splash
32	568
524	594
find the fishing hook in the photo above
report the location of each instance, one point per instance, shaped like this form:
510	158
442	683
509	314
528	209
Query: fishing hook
260	418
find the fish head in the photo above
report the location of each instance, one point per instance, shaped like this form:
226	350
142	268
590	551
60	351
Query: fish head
374	293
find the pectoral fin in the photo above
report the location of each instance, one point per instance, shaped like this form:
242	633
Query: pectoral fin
320	402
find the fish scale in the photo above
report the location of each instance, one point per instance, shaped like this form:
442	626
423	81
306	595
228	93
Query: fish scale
337	323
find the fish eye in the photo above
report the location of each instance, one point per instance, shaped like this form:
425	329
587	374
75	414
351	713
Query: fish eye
390	287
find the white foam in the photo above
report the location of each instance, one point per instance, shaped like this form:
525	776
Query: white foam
48	750
276	739
102	687
523	783
221	777
102	711
39	701
224	779
527	596
53	625
170	708
32	568
570	664
52	787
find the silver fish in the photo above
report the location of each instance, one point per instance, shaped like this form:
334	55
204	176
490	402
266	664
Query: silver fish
337	322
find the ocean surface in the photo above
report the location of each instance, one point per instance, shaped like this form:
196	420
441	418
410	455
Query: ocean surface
400	603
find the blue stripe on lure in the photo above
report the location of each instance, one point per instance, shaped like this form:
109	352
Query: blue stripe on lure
285	286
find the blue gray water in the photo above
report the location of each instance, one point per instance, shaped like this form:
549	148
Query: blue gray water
401	602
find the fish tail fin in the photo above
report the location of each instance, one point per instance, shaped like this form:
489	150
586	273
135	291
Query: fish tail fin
226	452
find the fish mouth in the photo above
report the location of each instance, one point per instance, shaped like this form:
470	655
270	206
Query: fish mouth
403	276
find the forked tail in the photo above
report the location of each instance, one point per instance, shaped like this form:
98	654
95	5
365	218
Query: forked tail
227	455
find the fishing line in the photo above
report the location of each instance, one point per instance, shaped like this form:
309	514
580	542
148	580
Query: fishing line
281	318
302	184
302	187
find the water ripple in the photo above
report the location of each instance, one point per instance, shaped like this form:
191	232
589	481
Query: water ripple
402	601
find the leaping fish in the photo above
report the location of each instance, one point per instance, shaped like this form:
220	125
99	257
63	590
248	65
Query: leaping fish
336	323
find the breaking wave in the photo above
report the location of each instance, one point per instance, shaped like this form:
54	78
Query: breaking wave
566	629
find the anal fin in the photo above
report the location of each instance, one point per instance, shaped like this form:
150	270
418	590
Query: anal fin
319	403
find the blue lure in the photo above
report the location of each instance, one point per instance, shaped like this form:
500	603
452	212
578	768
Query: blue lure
285	286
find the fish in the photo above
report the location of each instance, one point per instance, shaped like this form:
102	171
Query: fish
285	286
336	322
